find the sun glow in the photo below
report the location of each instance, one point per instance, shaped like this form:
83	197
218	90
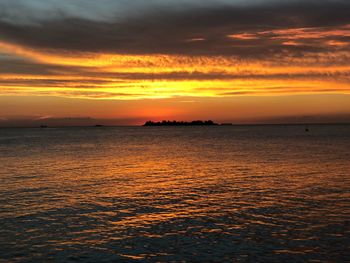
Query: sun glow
115	76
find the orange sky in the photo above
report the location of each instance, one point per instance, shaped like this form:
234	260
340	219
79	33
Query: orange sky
221	72
125	77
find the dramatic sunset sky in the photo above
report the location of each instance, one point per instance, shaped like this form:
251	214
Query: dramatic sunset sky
227	60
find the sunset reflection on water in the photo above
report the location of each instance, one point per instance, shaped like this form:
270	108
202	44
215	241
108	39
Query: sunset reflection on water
170	194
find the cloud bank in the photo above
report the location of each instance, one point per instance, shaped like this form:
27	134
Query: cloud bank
157	48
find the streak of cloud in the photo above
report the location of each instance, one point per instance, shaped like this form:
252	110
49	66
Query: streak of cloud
161	48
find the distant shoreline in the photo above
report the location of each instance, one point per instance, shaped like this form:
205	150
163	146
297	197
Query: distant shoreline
140	126
181	123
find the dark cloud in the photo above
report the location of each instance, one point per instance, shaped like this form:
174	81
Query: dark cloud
171	31
220	48
19	66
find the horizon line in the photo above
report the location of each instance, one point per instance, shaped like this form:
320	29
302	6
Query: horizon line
219	125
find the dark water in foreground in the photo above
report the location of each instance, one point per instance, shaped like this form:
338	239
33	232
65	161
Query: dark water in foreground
242	194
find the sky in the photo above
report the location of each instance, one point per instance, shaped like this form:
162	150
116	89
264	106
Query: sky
131	61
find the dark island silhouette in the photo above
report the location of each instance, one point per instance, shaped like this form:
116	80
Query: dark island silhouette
181	123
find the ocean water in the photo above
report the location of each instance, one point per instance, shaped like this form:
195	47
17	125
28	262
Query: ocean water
196	194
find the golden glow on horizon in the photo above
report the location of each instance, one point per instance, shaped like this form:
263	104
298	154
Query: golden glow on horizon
115	76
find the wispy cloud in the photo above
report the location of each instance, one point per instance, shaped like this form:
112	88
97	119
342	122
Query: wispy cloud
159	49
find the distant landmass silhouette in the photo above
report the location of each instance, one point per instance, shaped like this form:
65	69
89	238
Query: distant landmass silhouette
181	123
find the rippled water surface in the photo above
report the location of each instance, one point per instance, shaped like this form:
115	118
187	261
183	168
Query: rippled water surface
242	194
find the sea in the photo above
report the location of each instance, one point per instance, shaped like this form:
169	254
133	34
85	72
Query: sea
273	193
